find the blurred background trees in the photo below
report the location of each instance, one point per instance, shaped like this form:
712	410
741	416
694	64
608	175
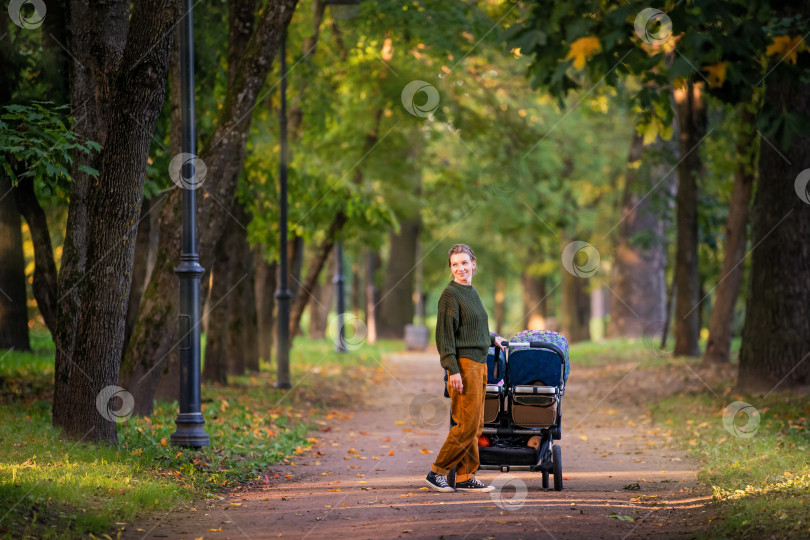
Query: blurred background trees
619	173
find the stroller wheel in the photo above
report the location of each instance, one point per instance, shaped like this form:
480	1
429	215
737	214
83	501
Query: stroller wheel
545	480
556	462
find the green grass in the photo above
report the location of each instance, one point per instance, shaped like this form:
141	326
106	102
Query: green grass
52	488
761	483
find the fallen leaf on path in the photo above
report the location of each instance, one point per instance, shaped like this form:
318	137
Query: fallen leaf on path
583	438
406	430
215	530
333	489
424	489
387	439
391	453
426	451
326	473
399	422
354	466
351	451
634	486
364	433
288	476
235	504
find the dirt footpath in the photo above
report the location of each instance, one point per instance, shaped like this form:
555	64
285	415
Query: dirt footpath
365	476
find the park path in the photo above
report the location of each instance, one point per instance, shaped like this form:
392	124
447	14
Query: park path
364	476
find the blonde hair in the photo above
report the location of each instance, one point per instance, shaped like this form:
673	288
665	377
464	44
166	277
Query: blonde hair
461	248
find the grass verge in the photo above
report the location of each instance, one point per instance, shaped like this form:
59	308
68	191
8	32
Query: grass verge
52	488
756	461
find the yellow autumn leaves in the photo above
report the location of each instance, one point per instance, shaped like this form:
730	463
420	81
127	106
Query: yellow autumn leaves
582	50
784	47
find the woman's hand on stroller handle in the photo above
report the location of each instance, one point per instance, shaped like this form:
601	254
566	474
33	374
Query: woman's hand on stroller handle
501	343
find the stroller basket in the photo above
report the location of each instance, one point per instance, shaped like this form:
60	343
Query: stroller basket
534	406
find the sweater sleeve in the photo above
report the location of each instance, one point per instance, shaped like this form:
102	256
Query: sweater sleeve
446	326
492	336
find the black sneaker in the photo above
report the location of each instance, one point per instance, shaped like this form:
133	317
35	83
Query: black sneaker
438	482
474	484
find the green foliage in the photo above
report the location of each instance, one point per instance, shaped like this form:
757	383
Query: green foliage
38	143
732	45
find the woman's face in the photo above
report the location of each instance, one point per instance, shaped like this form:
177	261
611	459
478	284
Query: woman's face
462	268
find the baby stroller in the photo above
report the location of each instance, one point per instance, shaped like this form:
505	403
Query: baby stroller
523	406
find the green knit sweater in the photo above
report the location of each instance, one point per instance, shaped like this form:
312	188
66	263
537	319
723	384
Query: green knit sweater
462	327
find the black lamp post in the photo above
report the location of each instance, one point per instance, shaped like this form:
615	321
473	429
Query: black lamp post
283	293
189	421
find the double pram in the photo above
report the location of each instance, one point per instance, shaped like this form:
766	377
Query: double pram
523	406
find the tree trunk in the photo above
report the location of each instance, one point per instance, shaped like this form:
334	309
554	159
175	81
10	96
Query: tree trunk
265	284
95	55
500	301
534	302
216	365
718	346
692	120
44	284
371	297
113	209
396	307
13	309
324	294
321	254
243	345
776	334
224	158
576	308
142	242
638	284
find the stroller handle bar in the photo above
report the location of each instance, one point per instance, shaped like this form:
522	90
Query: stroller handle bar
536	345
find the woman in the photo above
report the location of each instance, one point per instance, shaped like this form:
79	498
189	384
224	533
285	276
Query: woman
462	337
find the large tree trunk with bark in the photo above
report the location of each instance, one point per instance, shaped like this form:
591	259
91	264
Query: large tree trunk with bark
718	346
113	209
396	307
638	285
576	308
691	109
95	54
775	349
13	309
223	155
139	267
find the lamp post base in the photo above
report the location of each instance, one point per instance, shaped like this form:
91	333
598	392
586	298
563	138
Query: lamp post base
190	432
